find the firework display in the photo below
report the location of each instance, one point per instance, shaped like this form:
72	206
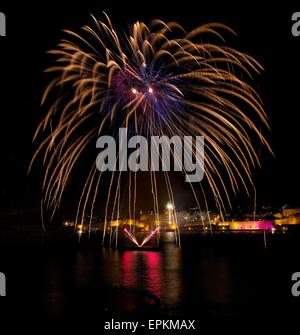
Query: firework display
150	177
153	80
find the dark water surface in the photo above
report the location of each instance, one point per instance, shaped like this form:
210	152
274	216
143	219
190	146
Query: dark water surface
222	277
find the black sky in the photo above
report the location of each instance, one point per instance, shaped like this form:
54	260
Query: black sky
33	28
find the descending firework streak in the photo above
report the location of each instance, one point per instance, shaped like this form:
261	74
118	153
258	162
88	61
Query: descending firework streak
154	80
145	240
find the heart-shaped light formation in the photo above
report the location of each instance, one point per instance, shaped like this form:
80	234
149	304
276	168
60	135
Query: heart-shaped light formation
145	240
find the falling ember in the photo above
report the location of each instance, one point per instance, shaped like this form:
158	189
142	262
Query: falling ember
157	80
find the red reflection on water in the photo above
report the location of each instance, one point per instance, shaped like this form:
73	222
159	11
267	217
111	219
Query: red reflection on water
127	260
152	260
142	270
128	269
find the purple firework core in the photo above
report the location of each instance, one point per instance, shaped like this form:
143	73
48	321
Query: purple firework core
127	86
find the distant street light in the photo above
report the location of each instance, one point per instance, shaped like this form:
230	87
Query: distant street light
170	208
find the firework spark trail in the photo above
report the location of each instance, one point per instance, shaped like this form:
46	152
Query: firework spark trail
131	237
148	237
154	80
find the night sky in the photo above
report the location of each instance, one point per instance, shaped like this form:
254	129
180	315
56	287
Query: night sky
33	28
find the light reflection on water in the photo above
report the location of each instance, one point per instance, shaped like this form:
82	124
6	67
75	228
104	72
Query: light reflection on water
200	275
177	277
155	272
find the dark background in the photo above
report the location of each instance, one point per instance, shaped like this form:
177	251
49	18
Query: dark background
264	33
33	28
